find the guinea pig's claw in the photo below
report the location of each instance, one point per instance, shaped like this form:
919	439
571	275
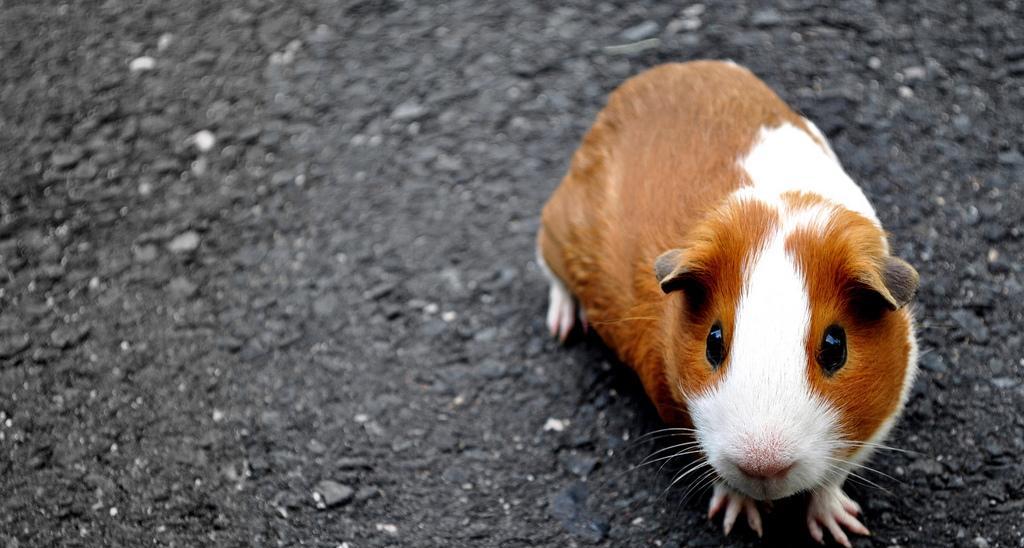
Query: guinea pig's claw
733	503
831	508
561	312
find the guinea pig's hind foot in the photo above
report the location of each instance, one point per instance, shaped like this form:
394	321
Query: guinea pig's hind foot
831	508
733	503
561	311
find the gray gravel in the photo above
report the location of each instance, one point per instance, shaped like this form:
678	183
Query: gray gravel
334	289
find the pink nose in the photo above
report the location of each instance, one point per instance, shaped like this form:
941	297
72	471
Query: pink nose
765	468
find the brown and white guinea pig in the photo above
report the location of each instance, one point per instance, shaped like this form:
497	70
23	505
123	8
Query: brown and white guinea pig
712	239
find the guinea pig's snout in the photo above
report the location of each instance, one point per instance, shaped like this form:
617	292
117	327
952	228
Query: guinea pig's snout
765	459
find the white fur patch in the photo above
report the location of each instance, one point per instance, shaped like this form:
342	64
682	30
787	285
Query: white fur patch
786	159
764	408
765	404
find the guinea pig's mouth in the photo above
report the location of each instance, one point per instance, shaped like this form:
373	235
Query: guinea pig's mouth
763	488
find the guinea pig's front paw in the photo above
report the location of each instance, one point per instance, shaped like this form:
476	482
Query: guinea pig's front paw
832	508
733	502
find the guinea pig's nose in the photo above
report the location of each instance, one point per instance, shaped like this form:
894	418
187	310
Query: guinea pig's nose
765	468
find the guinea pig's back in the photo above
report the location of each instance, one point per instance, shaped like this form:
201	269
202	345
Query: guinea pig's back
661	153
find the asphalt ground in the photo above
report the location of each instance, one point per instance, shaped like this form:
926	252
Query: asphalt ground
321	323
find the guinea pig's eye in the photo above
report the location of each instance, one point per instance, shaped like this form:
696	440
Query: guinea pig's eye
715	350
832	354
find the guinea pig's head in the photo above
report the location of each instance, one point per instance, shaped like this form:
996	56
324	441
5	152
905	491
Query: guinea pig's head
788	340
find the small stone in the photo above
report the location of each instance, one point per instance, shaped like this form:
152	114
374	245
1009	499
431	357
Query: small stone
164	41
914	73
1011	158
926	466
580	465
184	242
409	110
141	64
348	463
379	291
980	542
367	493
555	425
640	32
64	159
387	528
204	140
326	305
331	494
932	361
696	10
874	63
905	92
568	506
182	287
766	18
67	336
971	325
1004	383
11	346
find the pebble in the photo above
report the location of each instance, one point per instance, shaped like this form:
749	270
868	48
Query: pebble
184	242
66	158
140	64
915	73
367	493
11	346
164	42
696	10
67	336
578	464
204	140
926	466
387	528
1011	158
327	305
555	425
766	18
568	506
932	361
640	32
182	287
409	110
329	493
971	325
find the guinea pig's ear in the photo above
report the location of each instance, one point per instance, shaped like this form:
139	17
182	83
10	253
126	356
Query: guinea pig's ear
895	282
673	270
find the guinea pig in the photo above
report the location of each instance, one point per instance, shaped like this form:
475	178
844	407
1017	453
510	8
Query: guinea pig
711	238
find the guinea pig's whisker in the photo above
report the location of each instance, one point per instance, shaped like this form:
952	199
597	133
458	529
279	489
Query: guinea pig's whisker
620	320
700	484
848	470
679	454
633	444
872	445
662	430
679	477
864	467
671	447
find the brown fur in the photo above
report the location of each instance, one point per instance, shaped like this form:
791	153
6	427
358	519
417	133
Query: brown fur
658	158
650	176
843	271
